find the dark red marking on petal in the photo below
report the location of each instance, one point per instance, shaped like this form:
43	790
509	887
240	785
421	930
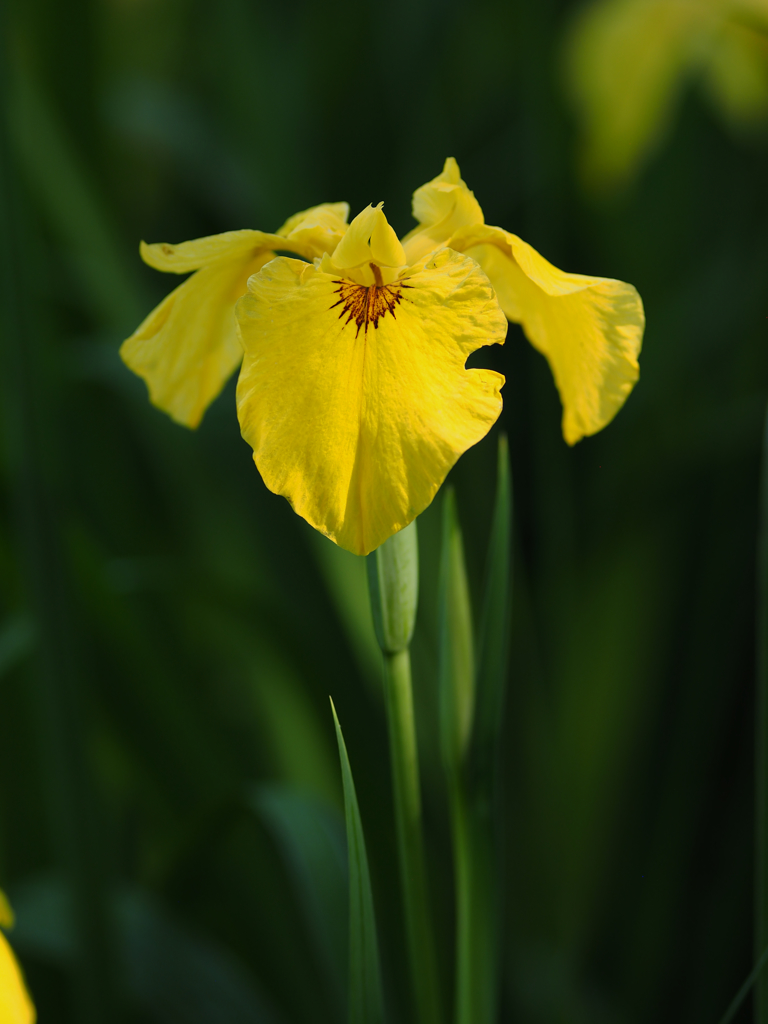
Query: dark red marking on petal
367	305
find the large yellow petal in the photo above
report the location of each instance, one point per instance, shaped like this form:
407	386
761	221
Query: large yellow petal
15	1005
589	328
441	207
356	400
187	348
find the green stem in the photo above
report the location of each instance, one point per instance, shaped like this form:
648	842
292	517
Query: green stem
761	749
405	781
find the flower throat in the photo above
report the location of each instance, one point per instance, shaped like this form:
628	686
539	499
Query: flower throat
366	305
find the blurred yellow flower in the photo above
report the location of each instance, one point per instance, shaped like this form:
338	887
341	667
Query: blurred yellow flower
628	62
354	392
15	1005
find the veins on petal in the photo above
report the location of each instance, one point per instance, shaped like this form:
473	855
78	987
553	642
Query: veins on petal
366	305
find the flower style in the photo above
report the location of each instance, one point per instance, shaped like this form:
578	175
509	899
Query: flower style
15	1005
354	392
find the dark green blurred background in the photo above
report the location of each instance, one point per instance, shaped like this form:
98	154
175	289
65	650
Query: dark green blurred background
171	631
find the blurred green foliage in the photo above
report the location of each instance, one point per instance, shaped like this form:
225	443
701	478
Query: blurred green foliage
171	631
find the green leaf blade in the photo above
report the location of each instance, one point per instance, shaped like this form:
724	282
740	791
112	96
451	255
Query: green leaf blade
457	658
471	757
494	628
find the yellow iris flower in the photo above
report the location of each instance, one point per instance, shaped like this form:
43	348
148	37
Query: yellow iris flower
354	392
15	1005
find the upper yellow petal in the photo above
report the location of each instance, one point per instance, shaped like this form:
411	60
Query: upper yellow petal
319	229
441	207
589	328
200	252
356	400
15	1005
187	348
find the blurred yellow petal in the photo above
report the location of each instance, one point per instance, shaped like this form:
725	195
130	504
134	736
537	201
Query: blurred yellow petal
589	328
319	229
15	1005
356	400
187	348
627	61
441	207
6	913
737	74
755	11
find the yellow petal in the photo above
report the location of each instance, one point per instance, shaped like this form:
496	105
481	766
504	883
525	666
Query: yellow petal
200	252
15	1005
6	913
589	328
441	207
319	229
187	347
737	75
356	400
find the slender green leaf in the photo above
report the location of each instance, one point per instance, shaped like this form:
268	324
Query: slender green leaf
457	693
406	789
366	1004
457	658
494	625
475	700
